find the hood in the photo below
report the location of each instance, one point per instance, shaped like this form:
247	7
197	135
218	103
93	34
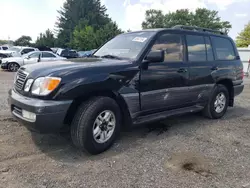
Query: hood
12	59
69	67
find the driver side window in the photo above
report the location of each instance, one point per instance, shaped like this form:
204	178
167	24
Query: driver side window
34	55
172	45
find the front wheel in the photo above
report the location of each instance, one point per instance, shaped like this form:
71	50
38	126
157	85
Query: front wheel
13	67
218	103
96	125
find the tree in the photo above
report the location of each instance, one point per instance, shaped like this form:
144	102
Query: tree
201	18
46	39
74	11
23	41
85	37
243	40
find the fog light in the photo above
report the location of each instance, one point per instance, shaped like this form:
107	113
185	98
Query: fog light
29	115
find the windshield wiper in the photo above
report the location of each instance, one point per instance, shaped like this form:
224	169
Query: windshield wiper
110	56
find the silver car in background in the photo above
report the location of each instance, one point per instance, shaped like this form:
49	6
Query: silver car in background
14	63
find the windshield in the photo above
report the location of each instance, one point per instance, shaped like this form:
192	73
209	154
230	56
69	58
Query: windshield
15	49
127	45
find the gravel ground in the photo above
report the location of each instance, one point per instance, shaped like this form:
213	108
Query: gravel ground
189	151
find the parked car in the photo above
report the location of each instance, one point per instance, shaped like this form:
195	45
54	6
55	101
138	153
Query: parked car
2	56
14	63
135	78
17	51
67	53
86	53
4	48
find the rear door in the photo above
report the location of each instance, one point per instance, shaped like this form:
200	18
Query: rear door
163	85
201	66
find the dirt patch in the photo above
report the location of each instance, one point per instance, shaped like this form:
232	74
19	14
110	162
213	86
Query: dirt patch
189	161
9	119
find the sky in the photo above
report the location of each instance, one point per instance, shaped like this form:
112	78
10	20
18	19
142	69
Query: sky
31	17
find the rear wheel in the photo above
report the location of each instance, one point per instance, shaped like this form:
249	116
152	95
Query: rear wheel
13	67
218	104
96	125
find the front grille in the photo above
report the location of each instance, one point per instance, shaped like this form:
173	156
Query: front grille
20	79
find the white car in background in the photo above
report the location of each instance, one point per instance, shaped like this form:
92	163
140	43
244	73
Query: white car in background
4	47
17	51
14	63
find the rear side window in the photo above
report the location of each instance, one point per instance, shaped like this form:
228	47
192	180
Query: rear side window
172	45
223	48
27	50
5	48
196	48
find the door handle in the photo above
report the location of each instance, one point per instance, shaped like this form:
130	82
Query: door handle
214	68
182	70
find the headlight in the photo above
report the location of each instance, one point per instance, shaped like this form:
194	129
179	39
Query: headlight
45	85
28	85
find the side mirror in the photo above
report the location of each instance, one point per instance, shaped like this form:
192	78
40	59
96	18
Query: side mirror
155	56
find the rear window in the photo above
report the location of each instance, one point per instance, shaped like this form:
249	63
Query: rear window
223	48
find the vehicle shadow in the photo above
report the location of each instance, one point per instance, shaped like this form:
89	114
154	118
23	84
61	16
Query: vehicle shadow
60	148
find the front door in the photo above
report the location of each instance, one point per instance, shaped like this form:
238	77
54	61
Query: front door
33	58
164	85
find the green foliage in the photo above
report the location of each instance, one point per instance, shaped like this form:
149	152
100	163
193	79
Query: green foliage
75	11
243	40
23	41
3	42
46	39
85	37
201	17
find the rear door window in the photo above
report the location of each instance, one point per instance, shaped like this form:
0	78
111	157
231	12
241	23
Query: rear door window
196	48
223	48
48	55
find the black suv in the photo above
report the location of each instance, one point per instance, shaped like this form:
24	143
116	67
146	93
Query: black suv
135	78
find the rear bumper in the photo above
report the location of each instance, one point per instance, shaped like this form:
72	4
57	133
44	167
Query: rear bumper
49	115
238	89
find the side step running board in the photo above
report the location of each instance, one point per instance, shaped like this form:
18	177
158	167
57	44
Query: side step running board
163	115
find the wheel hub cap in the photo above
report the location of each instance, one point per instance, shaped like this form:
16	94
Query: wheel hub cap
220	102
104	126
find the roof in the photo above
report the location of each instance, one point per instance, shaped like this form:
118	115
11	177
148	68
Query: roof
185	29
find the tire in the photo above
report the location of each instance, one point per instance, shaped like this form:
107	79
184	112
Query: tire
211	111
13	67
85	121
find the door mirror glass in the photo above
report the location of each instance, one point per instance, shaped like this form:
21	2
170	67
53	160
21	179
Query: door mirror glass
155	56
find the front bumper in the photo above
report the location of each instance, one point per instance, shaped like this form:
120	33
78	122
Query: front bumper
49	114
4	66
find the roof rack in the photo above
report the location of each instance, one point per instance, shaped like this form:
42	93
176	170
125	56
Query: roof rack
195	28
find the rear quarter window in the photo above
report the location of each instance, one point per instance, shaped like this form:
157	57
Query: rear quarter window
223	48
